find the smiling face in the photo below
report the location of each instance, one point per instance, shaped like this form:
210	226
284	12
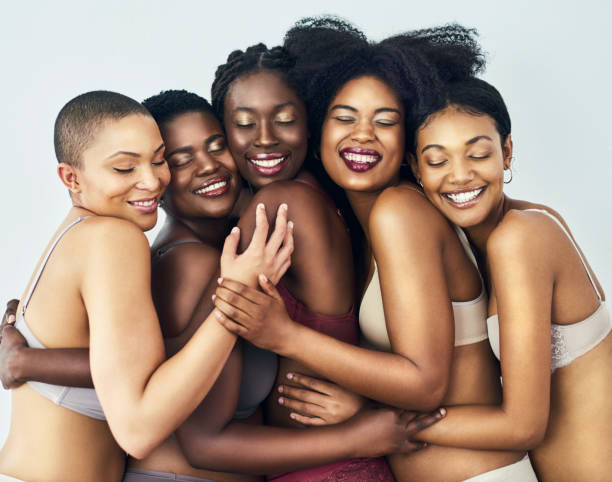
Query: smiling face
461	162
266	127
205	180
362	141
123	172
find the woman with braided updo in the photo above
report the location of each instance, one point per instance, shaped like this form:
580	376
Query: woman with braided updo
423	303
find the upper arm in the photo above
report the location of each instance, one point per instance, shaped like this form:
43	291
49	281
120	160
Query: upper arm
523	276
124	331
406	234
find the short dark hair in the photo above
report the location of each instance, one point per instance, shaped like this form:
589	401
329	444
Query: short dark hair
80	119
471	95
256	58
169	104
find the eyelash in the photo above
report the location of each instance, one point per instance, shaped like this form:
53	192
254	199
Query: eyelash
123	171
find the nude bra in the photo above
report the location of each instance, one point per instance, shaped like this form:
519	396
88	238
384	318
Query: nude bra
470	316
259	366
80	400
568	342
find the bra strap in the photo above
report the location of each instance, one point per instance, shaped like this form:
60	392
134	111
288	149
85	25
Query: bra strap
46	258
573	244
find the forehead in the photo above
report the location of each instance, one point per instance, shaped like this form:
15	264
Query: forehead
367	92
261	90
453	123
135	133
184	127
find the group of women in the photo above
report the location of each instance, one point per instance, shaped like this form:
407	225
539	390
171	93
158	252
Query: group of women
368	322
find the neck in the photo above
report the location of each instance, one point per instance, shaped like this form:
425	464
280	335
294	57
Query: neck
479	234
362	203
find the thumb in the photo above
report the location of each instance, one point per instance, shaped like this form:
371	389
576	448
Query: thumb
268	287
230	246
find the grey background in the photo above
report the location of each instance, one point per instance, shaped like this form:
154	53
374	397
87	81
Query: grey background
550	60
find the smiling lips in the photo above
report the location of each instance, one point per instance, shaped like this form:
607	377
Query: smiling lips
464	199
268	164
145	206
359	159
213	187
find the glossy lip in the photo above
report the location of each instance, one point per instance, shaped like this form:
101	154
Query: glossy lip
268	170
217	191
466	204
358	166
152	208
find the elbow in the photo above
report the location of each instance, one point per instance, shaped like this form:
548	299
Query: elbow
528	436
137	441
433	395
427	396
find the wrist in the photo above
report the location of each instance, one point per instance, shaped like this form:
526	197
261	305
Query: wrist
16	363
289	345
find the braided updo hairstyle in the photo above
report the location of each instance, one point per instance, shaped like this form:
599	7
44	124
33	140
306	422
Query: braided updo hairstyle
256	58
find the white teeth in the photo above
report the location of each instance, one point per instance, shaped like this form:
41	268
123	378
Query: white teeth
362	158
145	204
463	197
269	162
211	187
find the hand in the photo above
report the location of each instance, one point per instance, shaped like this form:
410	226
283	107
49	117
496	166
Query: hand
12	343
388	431
320	402
10	314
260	318
272	258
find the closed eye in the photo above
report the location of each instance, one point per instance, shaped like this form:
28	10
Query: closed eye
123	171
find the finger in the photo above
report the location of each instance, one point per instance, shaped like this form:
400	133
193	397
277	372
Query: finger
230	325
303	395
10	312
312	383
237	301
406	417
230	246
415	446
312	421
423	422
302	408
243	290
268	287
235	314
258	241
280	230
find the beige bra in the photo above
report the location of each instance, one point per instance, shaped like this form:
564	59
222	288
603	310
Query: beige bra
470	316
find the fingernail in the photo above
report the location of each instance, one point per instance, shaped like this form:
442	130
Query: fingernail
281	400
260	206
263	278
11	319
289	376
213	297
219	280
292	415
235	229
442	411
218	314
283	206
280	388
290	224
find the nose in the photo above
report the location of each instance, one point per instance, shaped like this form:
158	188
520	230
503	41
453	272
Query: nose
151	179
460	171
206	164
363	131
265	135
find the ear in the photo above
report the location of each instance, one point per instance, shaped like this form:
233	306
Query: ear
414	165
69	175
507	150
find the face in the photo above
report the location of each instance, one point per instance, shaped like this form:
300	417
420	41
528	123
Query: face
205	180
461	162
266	127
362	142
123	172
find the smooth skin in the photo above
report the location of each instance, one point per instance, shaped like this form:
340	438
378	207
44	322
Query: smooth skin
535	277
98	263
422	266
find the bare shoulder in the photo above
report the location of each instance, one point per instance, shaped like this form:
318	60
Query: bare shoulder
110	233
404	206
191	260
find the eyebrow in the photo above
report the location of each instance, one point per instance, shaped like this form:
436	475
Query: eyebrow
473	140
134	154
377	111
276	107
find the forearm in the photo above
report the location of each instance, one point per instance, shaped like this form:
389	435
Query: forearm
389	378
483	427
259	449
57	366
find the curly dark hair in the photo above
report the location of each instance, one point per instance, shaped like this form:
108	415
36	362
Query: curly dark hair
417	64
169	104
256	58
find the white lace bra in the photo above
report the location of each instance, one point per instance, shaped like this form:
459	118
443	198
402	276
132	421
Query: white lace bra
568	342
